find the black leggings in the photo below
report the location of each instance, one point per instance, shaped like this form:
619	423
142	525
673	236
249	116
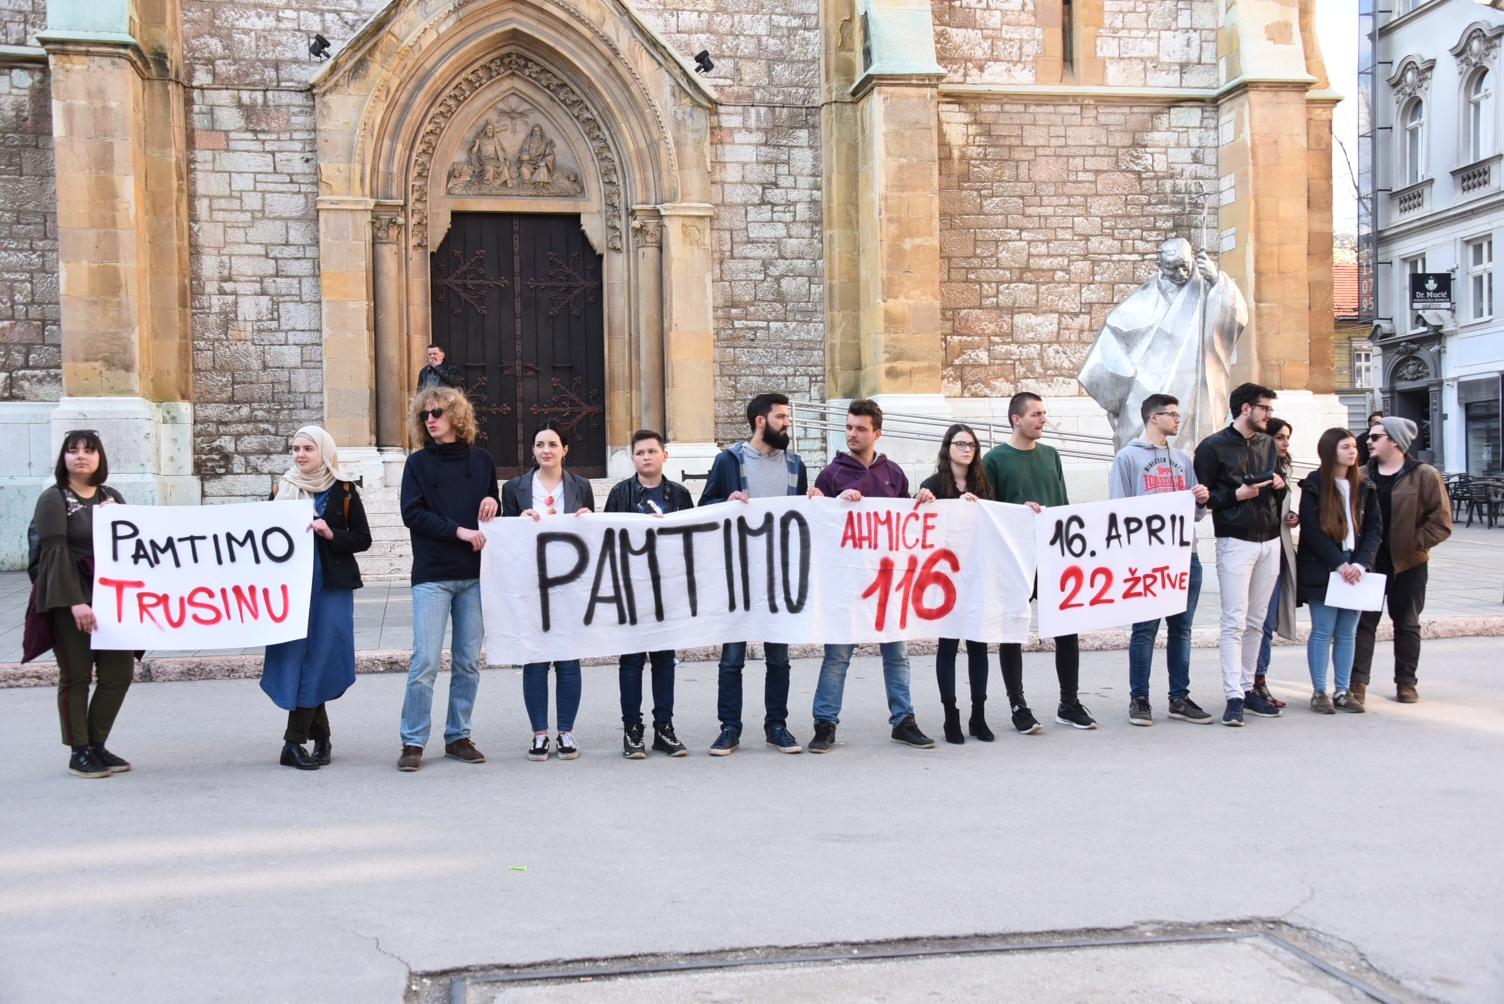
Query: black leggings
1067	669
304	724
976	668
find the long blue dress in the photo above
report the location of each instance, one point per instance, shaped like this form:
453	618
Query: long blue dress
320	666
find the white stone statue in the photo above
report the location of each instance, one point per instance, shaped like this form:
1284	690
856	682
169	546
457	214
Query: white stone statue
1176	334
535	160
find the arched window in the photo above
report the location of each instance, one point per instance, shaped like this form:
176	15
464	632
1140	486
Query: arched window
1480	116
1415	141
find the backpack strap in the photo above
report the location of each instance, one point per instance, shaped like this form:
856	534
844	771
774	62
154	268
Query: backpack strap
347	505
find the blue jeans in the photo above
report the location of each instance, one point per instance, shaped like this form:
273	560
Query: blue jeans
1271	622
629	676
434	605
566	691
833	682
1177	645
775	693
1334	634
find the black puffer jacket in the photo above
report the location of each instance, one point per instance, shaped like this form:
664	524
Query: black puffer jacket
1221	461
1319	555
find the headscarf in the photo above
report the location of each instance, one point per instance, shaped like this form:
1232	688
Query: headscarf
1401	430
297	485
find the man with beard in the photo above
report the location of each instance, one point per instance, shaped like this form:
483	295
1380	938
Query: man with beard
759	468
1238	467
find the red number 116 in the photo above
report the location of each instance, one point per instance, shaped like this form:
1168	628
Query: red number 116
913	585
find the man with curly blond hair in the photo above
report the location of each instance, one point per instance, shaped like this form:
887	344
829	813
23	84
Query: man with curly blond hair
448	491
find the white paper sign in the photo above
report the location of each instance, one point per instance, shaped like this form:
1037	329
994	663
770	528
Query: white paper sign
775	569
192	577
1367	594
1111	564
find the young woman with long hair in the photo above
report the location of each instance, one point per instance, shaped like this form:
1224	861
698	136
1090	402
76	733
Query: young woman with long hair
63	587
1281	616
959	475
1340	527
549	490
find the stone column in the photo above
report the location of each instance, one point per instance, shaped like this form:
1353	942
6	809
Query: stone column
346	252
647	239
120	150
390	341
688	337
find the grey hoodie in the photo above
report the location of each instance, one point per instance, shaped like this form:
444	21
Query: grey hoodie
1142	468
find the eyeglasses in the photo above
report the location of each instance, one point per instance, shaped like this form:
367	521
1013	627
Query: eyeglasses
431	413
1267	409
961	444
1374	437
79	432
1173	414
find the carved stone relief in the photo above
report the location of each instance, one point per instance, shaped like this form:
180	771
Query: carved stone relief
1410	369
504	166
491	162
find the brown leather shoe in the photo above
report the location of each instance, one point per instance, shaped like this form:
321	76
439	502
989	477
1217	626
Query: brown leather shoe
464	751
1357	692
411	757
1405	694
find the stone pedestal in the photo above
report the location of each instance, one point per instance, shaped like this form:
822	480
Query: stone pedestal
149	444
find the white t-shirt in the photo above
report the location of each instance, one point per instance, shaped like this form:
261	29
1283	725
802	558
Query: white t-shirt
549	503
1344	489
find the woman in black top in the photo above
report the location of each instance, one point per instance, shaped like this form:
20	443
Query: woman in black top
64	524
302	675
549	490
959	475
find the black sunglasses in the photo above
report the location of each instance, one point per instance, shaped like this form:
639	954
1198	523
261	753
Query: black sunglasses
431	413
1374	437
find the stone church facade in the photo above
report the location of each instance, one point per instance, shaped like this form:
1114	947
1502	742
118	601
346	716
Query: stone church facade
209	238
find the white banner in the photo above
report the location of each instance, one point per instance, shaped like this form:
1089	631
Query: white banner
191	577
775	569
1109	564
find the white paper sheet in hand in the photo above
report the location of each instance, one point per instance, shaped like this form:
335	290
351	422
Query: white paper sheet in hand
1368	594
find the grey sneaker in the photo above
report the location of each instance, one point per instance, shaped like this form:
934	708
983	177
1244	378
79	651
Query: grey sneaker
1187	710
1343	701
1322	704
1139	712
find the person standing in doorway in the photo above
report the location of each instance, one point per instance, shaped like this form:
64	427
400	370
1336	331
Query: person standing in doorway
1417	516
1239	466
648	493
1024	471
438	373
1150	466
549	490
865	473
448	490
1374	418
761	467
959	475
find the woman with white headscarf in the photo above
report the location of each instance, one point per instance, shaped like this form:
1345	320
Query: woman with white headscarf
302	676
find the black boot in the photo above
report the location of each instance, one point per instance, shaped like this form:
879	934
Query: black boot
978	724
953	724
323	752
294	755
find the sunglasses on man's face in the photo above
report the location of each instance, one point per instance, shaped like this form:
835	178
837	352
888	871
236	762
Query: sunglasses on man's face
1374	437
431	413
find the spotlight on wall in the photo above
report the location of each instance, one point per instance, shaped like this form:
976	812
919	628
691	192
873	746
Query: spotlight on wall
703	62
319	47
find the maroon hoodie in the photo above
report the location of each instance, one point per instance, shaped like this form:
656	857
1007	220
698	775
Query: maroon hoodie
883	480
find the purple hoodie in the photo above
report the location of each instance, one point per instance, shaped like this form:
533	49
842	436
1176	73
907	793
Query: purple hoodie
883	480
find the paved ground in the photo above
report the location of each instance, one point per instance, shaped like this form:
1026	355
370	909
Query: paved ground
1467	580
209	873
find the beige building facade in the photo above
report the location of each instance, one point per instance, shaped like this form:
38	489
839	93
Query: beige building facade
209	237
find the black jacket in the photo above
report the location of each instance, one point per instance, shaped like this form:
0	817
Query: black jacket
517	494
442	375
1319	555
351	536
1221	461
626	496
442	488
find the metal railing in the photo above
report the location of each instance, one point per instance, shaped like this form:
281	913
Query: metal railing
825	419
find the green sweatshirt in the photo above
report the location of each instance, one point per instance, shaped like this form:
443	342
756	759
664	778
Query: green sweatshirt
1020	476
